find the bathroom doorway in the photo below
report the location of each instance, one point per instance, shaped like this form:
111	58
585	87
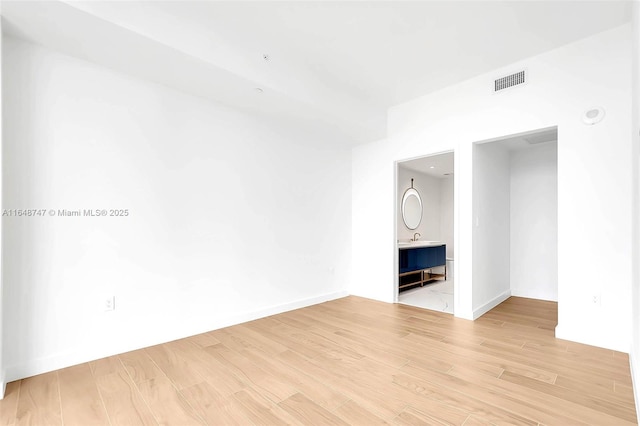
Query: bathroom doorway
425	230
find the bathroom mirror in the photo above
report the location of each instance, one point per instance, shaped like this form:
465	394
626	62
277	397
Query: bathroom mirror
411	208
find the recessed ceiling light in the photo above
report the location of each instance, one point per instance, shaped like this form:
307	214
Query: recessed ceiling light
432	167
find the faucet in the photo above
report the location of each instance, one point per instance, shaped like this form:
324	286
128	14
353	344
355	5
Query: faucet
416	238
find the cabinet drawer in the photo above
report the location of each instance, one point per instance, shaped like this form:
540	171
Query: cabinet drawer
421	258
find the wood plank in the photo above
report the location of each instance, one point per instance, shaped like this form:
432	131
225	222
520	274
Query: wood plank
617	412
215	373
624	390
353	413
307	412
412	417
273	388
122	400
363	350
469	357
166	403
9	405
203	340
249	338
320	393
39	401
475	421
578	384
174	364
103	366
139	366
261	411
442	414
535	406
213	407
79	397
459	394
382	404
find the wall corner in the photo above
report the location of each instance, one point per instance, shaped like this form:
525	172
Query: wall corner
480	311
635	380
2	367
3	385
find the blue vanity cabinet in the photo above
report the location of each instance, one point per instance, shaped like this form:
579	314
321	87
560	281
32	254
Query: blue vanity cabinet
416	264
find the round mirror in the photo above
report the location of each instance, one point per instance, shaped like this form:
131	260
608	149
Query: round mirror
411	208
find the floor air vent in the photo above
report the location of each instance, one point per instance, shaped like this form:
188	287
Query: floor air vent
509	81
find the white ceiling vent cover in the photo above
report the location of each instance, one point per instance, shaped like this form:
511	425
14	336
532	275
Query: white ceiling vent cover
542	137
509	81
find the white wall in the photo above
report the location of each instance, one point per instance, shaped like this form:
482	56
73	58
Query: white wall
563	83
374	222
534	222
635	197
429	189
231	217
446	213
2	365
491	200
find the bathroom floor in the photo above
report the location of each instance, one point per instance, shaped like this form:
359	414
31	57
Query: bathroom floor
437	296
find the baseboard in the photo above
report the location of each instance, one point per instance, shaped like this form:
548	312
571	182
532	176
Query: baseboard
477	313
274	310
67	359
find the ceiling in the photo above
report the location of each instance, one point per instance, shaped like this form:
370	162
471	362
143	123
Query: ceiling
438	166
528	140
330	64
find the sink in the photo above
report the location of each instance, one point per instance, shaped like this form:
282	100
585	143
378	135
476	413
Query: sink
419	243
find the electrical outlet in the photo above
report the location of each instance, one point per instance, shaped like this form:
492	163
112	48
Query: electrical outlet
596	299
110	303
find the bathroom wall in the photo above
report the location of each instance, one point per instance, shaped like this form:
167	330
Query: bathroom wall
437	198
230	216
534	222
562	84
429	189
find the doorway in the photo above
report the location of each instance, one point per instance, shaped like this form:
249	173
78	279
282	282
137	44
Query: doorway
515	225
428	286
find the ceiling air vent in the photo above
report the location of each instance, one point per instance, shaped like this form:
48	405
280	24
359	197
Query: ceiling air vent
542	137
509	81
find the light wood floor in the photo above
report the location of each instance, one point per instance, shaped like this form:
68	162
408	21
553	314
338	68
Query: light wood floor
349	361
